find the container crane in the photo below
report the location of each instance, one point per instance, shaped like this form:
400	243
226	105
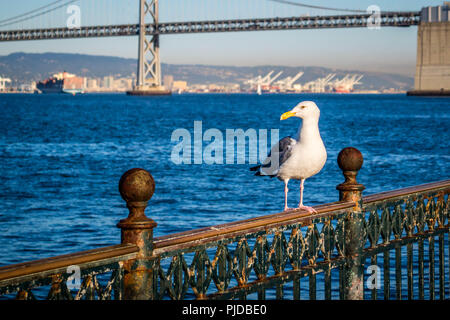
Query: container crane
346	84
286	83
3	82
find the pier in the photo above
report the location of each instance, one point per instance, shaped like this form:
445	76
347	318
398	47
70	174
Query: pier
267	257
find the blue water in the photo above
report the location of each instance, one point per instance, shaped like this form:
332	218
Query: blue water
62	157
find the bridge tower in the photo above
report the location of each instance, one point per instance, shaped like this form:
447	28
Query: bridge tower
433	52
148	80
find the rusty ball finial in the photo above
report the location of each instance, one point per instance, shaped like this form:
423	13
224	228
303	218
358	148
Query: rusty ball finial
136	185
350	159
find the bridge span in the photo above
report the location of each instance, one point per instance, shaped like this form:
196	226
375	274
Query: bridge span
387	19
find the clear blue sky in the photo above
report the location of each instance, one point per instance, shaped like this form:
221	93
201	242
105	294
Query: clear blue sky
387	49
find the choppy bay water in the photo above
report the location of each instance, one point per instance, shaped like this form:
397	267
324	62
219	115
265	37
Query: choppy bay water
61	158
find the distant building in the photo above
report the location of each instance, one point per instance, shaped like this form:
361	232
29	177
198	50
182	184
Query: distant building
118	84
179	86
168	82
233	87
123	84
129	84
108	82
92	84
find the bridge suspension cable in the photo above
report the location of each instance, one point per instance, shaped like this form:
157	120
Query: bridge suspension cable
30	12
298	4
35	13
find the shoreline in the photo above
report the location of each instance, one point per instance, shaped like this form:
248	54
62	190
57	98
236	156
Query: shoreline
243	92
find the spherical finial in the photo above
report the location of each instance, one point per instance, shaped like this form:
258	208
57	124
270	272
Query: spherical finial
136	185
350	159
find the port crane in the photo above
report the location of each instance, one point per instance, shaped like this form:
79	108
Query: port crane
270	80
329	83
318	85
260	83
286	83
258	80
346	84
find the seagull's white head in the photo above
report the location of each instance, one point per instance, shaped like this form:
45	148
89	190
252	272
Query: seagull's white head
304	110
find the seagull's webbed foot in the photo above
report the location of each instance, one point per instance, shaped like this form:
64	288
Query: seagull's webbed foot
309	209
288	209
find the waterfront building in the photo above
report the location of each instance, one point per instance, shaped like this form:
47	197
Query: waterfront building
179	86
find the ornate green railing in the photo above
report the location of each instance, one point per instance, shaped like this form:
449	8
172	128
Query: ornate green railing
392	245
52	274
412	220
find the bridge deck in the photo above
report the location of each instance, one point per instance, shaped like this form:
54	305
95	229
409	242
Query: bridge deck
388	19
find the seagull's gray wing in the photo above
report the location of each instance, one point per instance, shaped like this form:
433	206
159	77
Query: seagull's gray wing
279	153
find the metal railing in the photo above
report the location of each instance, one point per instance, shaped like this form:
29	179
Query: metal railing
337	252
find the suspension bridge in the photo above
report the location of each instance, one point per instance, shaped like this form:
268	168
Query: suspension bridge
149	28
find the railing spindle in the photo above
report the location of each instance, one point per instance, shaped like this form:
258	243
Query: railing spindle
327	281
421	269
261	294
441	268
312	285
341	282
374	262
279	292
431	267
409	270
398	272
296	288
386	275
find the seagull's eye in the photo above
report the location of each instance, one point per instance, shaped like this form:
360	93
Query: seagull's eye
303	107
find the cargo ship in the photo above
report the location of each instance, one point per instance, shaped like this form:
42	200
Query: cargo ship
62	82
342	89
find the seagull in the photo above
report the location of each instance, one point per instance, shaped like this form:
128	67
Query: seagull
298	158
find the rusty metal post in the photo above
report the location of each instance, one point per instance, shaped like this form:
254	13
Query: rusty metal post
350	160
137	187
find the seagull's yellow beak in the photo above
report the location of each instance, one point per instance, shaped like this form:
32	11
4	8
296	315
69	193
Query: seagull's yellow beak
286	115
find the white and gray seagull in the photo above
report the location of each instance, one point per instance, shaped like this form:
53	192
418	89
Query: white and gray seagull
298	158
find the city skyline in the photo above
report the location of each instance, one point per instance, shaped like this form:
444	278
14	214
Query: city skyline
387	49
106	74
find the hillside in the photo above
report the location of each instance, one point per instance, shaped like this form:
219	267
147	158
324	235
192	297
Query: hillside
26	67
